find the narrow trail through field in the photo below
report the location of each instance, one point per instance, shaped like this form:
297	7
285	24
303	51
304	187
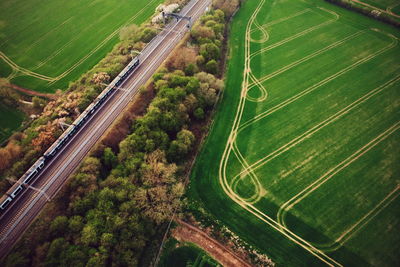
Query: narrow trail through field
188	233
20	69
300	138
284	209
31	92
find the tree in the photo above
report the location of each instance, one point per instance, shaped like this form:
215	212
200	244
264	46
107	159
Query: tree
75	224
59	225
16	259
210	51
156	170
8	154
56	251
228	6
199	113
182	58
192	68
193	85
180	147
130	32
38	103
201	32
212	67
89	235
45	138
147	34
109	158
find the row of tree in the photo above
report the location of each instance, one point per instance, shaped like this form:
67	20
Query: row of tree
368	11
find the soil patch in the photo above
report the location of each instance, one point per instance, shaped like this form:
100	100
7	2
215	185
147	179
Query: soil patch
188	233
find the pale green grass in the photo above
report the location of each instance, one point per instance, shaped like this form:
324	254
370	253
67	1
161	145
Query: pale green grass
51	37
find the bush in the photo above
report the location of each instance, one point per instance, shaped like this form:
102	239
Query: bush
38	103
212	67
199	113
182	58
191	69
210	51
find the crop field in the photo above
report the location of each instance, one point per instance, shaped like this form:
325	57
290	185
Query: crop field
309	168
10	120
46	44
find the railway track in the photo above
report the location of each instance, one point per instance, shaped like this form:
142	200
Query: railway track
29	204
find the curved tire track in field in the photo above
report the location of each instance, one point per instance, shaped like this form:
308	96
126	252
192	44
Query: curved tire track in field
249	169
27	72
284	209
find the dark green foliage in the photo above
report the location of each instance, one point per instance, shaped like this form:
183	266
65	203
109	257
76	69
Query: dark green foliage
87	98
191	69
147	34
212	67
109	158
210	51
59	225
192	86
63	253
180	147
16	259
199	113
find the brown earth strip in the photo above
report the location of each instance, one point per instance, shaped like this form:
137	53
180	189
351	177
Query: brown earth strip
188	233
30	92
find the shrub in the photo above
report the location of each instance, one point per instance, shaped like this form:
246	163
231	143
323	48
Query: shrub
212	67
199	113
210	51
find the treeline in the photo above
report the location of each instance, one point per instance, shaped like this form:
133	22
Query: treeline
370	12
116	207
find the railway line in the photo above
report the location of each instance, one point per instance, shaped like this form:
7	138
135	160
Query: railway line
27	205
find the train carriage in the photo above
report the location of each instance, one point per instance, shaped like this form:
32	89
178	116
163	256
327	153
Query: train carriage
36	168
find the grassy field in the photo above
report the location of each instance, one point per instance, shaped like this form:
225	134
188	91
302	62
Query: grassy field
46	44
182	255
309	171
10	120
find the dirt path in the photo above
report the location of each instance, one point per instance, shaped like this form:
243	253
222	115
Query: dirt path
188	233
30	92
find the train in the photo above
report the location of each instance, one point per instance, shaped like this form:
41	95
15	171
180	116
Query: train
29	176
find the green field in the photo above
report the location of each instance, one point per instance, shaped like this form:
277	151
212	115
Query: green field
10	120
309	170
44	44
183	255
